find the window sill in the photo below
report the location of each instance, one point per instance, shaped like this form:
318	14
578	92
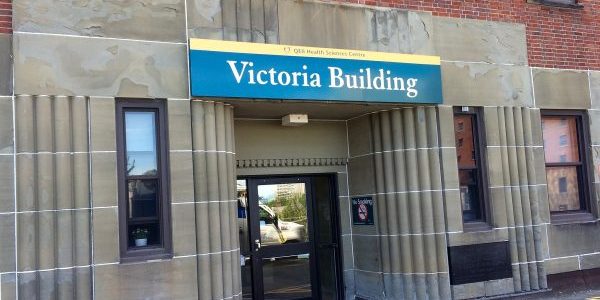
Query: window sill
476	226
571	218
558	5
136	256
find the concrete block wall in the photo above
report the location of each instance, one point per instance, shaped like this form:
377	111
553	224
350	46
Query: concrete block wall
8	218
517	198
395	158
102	49
556	37
570	247
215	194
65	242
53	237
105	50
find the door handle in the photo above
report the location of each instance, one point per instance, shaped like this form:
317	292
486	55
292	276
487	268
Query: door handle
257	243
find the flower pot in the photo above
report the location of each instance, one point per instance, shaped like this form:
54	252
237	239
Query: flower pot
141	242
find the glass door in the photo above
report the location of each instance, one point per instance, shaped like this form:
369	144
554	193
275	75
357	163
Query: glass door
284	249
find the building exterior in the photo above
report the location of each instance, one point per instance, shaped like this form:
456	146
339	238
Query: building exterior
119	181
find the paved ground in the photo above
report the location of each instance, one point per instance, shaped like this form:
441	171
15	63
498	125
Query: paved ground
570	295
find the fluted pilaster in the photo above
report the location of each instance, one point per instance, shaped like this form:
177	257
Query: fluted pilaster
216	207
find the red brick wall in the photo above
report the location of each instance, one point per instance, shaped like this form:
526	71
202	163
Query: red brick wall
556	37
5	16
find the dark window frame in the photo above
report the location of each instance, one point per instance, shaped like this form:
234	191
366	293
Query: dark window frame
584	173
480	145
559	3
164	250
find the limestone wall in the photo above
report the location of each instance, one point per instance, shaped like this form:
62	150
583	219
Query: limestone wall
395	158
60	241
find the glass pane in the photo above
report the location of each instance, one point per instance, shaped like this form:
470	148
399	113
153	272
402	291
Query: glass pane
560	139
469	195
465	141
563	188
140	139
283	215
245	258
144	234
246	277
287	277
242	213
142	198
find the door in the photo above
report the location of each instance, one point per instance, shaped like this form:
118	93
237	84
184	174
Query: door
285	243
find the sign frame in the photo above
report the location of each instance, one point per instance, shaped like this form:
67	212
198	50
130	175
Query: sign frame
360	216
227	69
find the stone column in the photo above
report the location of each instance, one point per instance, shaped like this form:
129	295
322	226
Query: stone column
401	150
216	201
516	166
53	197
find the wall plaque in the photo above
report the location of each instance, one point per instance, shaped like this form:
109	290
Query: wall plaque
481	262
362	211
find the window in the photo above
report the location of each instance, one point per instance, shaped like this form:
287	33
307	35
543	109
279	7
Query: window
567	174
563	140
559	3
562	185
144	217
470	157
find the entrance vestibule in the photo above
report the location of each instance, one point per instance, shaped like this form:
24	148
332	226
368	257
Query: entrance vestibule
289	237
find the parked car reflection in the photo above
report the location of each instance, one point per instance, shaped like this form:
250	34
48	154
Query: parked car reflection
273	231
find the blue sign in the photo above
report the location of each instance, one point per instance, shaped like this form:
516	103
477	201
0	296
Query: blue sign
247	70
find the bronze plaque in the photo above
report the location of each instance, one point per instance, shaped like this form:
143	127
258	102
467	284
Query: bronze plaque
480	262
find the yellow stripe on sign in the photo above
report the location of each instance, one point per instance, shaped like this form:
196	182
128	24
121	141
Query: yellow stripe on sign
301	51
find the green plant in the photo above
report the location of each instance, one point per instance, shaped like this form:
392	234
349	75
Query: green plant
293	208
140	233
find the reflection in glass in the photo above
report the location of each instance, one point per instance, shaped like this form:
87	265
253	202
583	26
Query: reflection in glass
469	195
560	139
245	250
242	213
140	140
563	188
283	214
143	198
465	143
287	277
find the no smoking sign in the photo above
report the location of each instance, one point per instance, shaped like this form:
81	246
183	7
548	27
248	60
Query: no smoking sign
362	211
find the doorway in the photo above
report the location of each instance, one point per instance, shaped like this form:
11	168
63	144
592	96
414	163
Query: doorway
289	237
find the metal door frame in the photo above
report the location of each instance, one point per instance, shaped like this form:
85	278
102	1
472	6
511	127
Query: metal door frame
253	219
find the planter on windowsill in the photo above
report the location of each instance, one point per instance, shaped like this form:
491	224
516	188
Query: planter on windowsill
140	236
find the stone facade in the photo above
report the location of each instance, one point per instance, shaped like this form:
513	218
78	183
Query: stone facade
71	62
565	38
